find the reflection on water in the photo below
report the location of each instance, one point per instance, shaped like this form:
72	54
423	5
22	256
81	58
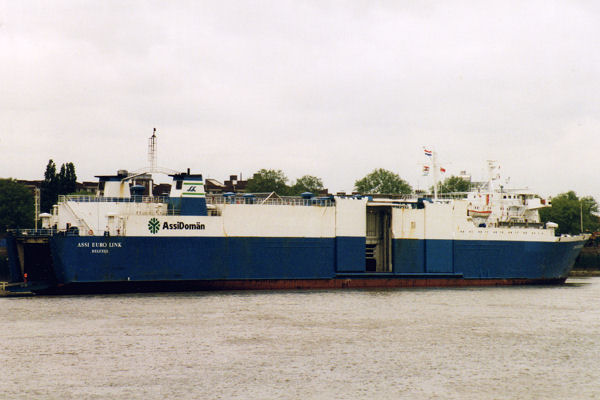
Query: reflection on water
474	343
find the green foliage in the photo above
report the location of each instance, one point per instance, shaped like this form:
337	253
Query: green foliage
16	205
454	184
67	179
55	184
268	180
567	210
50	187
382	181
307	183
271	180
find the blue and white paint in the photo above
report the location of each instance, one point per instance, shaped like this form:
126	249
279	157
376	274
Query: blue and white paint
194	237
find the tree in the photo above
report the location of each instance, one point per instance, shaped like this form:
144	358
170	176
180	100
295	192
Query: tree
307	183
16	205
53	185
67	179
50	188
268	180
567	211
454	184
382	181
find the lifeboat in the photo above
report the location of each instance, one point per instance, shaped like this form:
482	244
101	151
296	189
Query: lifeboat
479	213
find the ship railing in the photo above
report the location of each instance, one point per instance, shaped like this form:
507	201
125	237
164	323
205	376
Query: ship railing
102	199
33	232
266	199
413	197
259	198
139	205
448	196
386	197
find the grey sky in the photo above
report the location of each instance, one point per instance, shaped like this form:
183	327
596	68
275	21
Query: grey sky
332	89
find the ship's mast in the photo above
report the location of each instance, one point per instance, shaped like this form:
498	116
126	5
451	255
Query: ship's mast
153	165
432	154
493	175
152	158
436	174
152	151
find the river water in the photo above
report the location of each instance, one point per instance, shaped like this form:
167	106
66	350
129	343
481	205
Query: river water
473	343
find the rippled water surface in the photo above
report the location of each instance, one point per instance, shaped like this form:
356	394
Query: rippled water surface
483	343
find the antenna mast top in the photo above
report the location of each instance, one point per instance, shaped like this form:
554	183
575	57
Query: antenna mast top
152	150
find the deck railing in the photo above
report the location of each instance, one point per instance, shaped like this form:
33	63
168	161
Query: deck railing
267	199
261	198
102	199
33	232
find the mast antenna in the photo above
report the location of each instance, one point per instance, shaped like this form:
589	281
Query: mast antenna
152	151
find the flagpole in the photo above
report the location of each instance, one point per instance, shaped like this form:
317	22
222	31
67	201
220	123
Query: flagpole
433	155
435	174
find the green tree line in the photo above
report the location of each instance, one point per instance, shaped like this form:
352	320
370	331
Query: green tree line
271	180
572	214
17	207
55	184
379	181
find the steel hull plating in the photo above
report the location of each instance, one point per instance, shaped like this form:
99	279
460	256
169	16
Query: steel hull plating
106	264
287	284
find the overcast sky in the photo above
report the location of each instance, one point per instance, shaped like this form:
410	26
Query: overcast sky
332	89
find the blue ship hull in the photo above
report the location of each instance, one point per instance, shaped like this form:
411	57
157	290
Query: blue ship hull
105	264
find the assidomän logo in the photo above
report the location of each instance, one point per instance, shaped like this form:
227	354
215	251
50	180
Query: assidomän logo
153	225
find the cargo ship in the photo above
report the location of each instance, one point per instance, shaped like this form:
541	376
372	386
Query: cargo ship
123	241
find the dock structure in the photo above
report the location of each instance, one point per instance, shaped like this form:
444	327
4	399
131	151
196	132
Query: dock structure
8	293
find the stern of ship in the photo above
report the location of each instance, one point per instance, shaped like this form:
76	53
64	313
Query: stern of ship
30	261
